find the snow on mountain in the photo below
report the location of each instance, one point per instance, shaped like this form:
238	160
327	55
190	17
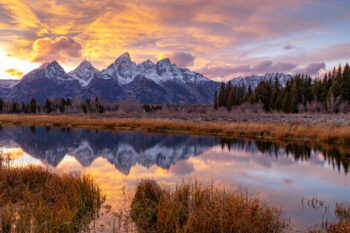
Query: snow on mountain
84	73
8	83
124	70
147	82
51	70
254	80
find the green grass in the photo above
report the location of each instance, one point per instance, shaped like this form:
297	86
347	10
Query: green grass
33	199
193	207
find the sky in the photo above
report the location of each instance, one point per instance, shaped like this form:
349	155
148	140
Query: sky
221	39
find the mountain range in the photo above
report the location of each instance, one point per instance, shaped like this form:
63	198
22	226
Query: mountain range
147	82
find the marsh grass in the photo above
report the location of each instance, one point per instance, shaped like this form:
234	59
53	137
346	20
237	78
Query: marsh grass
277	130
193	207
341	223
33	199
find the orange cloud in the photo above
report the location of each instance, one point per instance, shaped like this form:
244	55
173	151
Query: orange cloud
60	49
212	33
14	72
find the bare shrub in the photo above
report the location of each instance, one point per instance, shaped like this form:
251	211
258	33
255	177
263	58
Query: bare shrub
314	106
301	108
248	108
344	107
333	104
128	106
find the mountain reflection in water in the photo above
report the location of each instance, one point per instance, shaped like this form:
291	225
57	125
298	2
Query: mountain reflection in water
125	150
284	173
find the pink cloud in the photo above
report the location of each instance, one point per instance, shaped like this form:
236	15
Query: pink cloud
60	49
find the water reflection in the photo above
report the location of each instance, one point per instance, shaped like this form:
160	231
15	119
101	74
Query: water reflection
125	150
283	173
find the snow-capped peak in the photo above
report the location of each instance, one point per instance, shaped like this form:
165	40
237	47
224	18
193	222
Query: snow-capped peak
146	65
84	73
51	70
254	80
123	70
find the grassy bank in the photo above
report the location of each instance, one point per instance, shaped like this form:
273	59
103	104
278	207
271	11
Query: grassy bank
196	208
302	131
34	200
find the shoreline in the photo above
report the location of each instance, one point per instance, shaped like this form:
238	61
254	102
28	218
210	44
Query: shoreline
321	132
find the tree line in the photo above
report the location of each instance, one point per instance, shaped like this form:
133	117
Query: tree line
300	94
57	105
74	105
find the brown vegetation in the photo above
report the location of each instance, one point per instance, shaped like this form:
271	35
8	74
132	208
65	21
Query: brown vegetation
34	200
313	131
340	225
193	207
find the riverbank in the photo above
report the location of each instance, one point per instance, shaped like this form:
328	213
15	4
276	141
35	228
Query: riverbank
320	131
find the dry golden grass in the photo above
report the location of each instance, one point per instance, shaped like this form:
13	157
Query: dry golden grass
34	200
194	208
320	132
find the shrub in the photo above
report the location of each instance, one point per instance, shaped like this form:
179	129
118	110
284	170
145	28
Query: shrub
35	200
193	207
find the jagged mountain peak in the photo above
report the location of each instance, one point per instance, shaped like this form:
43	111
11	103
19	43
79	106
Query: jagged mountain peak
146	64
52	65
125	57
51	70
85	65
84	73
164	62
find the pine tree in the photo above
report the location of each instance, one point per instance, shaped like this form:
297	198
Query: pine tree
48	106
32	106
285	102
222	100
231	99
345	84
216	104
263	94
294	100
1	105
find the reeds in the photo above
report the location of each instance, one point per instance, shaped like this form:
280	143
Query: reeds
301	131
193	207
33	199
340	225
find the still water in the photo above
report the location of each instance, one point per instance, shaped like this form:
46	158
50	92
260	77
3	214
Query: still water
286	174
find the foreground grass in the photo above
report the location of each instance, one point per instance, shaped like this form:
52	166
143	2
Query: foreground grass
340	225
315	131
34	200
196	208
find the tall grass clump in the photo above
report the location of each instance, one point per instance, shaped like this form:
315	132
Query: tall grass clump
193	207
33	199
341	224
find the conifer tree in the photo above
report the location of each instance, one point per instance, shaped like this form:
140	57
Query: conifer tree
48	106
216	104
32	106
231	99
222	100
1	105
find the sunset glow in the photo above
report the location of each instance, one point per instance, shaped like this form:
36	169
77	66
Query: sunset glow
222	40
